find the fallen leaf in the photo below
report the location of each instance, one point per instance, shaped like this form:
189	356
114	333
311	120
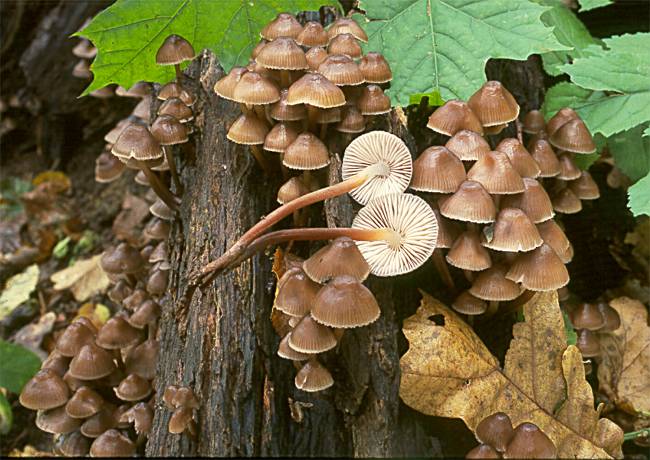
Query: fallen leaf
31	335
84	278
97	313
624	373
127	224
18	289
10	233
42	206
59	181
29	451
448	372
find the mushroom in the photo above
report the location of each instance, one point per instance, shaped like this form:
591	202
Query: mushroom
375	68
340	257
73	444
108	168
133	388
588	343
467	253
315	57
611	317
57	363
566	202
482	451
587	316
496	174
347	26
554	236
452	117
541	151
468	145
112	443
568	169
315	91
470	203
520	158
312	35
373	101
283	54
177	109
100	422
313	376
56	421
295	293
495	430
91	363
284	25
73	338
286	352
281	136
85	403
46	390
529	441
250	130
141	360
494	105
534	201
584	187
118	333
311	337
173	89
345	303
437	170
493	286
174	51
533	122
84	49
281	111
513	231
168	131
539	270
563	116
467	304
573	136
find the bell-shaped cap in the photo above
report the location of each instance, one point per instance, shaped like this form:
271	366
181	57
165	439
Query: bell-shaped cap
100	422
174	50
75	336
177	109
142	359
383	150
315	57
169	131
520	158
352	121
482	451
248	130
513	231
124	259
283	53
313	34
539	270
157	282
141	416
157	229
315	90
585	187
496	174
135	299
345	44
493	104
311	337
108	168
282	111
554	236
558	120
280	137
286	352
85	402
147	313
56	421
470	203
345	303
588	343
136	142
530	442
566	202
142	111
573	136
313	376
284	25
225	87
492	285
295	293
347	26
541	151
338	258
160	209
117	333
495	430
73	444
611	317
46	390
173	89
84	49
437	170
535	202
159	253
292	189
324	116
494	130
180	420
373	101
375	68
533	122
57	363
452	117
587	316
112	443
448	231
467	253
254	88
341	70
307	152
91	363
133	388
568	169
409	218
111	136
467	304
468	145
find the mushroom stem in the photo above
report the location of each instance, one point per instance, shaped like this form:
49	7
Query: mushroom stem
285	78
245	108
261	159
161	190
172	168
443	269
493	307
323	132
520	129
312	117
179	74
469	275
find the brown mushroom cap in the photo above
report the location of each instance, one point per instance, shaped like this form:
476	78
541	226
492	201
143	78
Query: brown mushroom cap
225	87
73	444
118	333
85	402
437	170
588	343
468	145
341	70
493	285
136	142
351	121
253	88
585	187
284	25
84	49
373	101
124	259
493	130
534	201
573	136
338	258
563	116
347	26
467	253
496	174
313	34
135	299
177	109
530	442
539	270
295	293
142	359
452	117
522	161
311	337
91	363
282	111
482	451
133	388
174	50
566	202
611	317
169	131
307	152
57	363
160	209
467	304
533	122
283	53
147	313
108	168
315	57
157	282
141	416
345	303
75	336
470	203
587	316
46	390
315	90
375	68
286	352
157	229
248	130
493	104
513	231
112	443
541	151
495	430
568	169
180	420
120	291
292	189
313	376
56	421
174	89
554	236
345	43
100	422
448	231
280	137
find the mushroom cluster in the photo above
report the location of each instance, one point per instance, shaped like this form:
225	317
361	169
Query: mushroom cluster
590	320
496	218
498	439
183	403
301	80
94	391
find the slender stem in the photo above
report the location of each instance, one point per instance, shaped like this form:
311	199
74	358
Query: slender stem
323	131
442	269
261	114
469	275
637	434
161	190
179	74
261	158
285	78
167	149
520	129
312	115
245	108
493	307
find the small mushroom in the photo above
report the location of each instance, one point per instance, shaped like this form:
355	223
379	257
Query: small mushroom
46	390
174	51
530	442
495	430
313	376
452	117
338	258
112	443
345	303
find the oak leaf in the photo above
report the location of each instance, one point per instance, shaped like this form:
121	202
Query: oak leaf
448	372
84	278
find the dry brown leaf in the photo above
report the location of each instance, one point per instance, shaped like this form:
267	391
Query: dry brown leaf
448	372
127	224
624	373
84	278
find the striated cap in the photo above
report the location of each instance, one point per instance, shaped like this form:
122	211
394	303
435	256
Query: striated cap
136	142
467	253
111	136
311	337
141	416
529	441
313	376
312	34
56	421
174	50
180	420
585	187
142	111
315	57
100	422
496	174
157	282
133	388
280	137
539	270
452	117
493	104
284	25
253	88
468	145
177	109
295	293
157	229
535	202
173	89
587	316
347	26
75	336
283	53
112	443
495	430
573	136
225	87
541	151
307	152
325	116
566	202
492	285
315	90
588	343
373	101
57	363
292	189
533	122
108	168
568	169
85	403
46	390
553	235
437	170
123	259
467	304
169	131
375	68
248	130
338	258
470	203
341	70
345	303
345	44
563	116
351	121
286	352
91	363
522	161
73	444
513	231
160	210
117	333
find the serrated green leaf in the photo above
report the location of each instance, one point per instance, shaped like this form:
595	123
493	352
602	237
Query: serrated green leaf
638	197
6	416
443	45
17	366
588	5
569	31
622	69
631	152
128	33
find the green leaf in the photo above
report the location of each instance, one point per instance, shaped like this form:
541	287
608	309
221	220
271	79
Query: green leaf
569	31
434	99
61	249
443	45
623	69
18	289
128	33
631	152
571	336
588	5
17	366
646	132
638	197
6	417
